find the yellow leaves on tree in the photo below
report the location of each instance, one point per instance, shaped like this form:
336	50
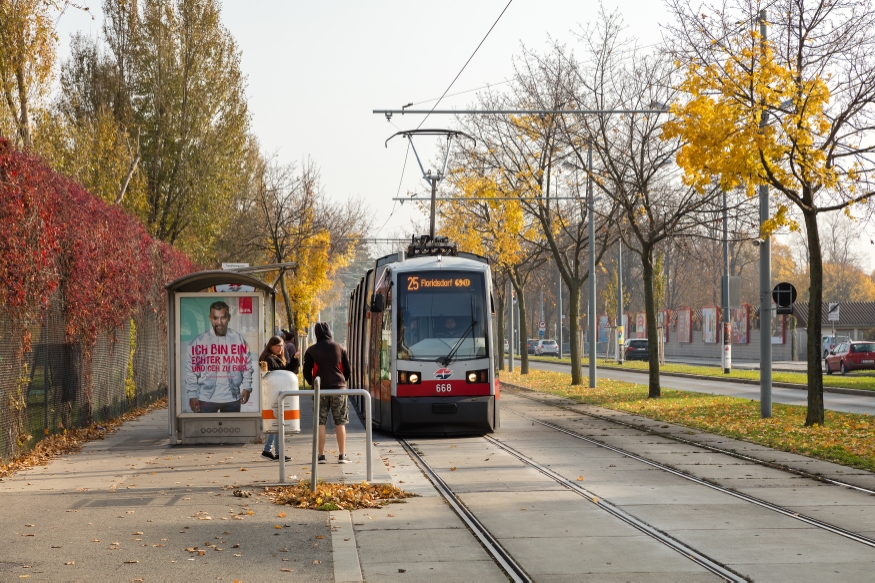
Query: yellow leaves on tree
311	279
720	124
27	59
486	227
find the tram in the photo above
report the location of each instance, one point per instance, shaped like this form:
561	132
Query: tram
421	335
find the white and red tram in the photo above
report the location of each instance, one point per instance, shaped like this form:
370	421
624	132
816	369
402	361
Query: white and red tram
422	341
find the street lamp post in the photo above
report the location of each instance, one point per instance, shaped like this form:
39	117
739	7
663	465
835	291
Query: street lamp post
620	329
765	282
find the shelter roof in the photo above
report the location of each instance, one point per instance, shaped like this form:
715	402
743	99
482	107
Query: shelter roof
200	280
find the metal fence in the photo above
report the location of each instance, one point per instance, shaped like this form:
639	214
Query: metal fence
59	385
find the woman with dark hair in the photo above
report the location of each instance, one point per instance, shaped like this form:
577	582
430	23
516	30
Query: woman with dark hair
274	357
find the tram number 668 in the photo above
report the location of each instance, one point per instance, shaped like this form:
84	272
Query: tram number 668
444	387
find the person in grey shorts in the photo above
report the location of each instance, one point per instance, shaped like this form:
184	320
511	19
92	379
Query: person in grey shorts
328	361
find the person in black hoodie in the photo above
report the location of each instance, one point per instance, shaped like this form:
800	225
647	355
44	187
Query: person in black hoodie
328	360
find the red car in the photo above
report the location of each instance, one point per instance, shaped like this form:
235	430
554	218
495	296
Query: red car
848	356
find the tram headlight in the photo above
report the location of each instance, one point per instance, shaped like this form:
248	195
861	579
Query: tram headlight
408	378
478	376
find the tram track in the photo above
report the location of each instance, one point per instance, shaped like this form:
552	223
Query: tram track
686	476
506	561
498	553
524	392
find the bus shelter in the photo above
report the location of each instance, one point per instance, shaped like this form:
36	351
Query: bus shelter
218	321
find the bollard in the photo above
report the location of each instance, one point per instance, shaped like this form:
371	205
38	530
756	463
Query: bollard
314	474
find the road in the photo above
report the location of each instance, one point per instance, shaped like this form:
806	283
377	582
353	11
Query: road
832	401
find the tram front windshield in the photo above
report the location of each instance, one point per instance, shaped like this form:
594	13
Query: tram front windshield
441	312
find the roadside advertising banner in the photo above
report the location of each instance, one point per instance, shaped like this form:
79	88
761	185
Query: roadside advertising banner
741	324
685	325
663	317
218	346
641	325
709	325
777	326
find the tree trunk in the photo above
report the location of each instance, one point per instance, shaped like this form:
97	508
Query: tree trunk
499	338
521	302
289	314
650	310
815	303
24	118
574	332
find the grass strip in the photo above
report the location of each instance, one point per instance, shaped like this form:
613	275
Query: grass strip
846	438
856	380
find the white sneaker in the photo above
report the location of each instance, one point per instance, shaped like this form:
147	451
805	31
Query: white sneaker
343	459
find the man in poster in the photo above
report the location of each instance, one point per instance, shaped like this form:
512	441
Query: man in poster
217	372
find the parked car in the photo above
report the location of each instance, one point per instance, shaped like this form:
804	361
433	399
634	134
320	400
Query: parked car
505	346
849	356
637	349
829	342
547	347
530	345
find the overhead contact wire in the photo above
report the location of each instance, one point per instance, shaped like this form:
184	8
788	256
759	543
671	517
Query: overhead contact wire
466	63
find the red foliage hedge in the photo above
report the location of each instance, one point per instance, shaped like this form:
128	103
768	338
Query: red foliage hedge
56	235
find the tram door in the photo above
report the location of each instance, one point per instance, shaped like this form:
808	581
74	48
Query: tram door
376	324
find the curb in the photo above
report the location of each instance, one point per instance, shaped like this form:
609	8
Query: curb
798	387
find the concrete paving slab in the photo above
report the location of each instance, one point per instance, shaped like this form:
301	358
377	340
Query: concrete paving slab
461	571
627	577
421	545
819	497
771	546
672	517
547	515
595	555
839	572
414	514
669	494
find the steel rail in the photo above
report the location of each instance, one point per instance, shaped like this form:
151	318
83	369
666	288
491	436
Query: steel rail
492	546
747	498
774	465
651	531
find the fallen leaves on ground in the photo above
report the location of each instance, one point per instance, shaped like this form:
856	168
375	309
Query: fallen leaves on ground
845	438
336	496
71	440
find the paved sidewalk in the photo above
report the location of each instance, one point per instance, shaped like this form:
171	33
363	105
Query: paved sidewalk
128	507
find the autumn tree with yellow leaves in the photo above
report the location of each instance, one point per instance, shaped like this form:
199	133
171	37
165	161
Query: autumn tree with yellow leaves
285	217
794	113
482	220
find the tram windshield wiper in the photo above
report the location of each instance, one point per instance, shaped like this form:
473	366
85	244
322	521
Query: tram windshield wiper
446	360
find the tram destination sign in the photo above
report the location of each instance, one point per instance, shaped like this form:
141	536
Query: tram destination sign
417	283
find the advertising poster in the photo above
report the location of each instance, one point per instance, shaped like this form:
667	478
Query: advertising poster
604	328
709	325
685	325
663	317
777	326
641	325
741	324
219	344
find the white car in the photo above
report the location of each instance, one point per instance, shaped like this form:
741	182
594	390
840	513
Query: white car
547	347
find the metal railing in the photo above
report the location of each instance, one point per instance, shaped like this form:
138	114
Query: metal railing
316	393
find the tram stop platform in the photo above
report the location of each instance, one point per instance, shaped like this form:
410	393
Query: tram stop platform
128	507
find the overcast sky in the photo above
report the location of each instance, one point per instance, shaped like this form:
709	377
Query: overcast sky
316	70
